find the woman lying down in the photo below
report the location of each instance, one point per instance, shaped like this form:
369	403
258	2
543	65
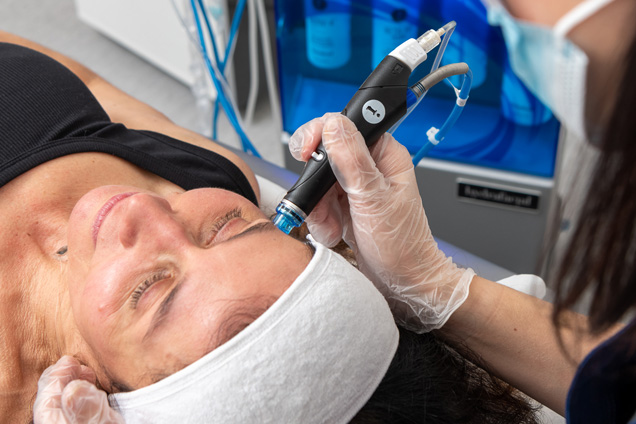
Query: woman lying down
138	249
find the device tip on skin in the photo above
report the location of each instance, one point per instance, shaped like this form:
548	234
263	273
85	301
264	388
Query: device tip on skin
288	216
283	223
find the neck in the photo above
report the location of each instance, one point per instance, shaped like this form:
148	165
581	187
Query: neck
27	350
36	324
36	333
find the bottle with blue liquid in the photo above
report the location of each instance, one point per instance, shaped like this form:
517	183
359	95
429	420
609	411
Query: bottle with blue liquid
328	33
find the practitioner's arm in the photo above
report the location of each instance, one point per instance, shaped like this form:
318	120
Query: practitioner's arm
377	209
134	114
513	333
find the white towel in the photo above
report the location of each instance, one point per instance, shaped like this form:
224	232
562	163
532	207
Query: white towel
316	355
526	283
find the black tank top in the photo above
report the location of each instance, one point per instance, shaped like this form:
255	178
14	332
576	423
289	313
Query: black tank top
47	112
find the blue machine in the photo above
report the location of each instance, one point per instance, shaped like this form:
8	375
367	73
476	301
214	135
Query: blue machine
488	186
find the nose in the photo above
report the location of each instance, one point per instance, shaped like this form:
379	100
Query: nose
148	217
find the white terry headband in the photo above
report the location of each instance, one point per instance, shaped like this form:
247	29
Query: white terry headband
316	355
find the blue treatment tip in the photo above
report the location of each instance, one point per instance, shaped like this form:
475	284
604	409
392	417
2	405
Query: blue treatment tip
287	217
284	223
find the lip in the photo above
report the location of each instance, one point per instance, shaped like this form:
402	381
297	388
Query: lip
105	210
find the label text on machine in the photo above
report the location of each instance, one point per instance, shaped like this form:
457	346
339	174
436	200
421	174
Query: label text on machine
497	195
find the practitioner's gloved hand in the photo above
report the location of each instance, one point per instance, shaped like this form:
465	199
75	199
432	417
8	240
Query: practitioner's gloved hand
67	395
376	208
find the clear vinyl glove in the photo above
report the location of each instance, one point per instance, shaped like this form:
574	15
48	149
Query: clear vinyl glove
376	208
67	395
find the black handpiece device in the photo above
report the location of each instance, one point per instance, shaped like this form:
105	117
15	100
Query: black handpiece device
380	102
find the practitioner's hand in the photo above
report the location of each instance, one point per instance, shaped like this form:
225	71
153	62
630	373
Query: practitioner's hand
67	395
376	208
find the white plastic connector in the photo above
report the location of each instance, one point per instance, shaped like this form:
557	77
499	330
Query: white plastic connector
410	53
431	133
414	52
430	39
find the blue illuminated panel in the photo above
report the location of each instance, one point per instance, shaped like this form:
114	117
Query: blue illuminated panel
503	126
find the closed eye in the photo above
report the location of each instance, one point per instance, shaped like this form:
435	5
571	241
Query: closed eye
146	284
234	213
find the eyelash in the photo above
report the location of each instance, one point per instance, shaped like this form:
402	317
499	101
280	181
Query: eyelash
139	291
234	213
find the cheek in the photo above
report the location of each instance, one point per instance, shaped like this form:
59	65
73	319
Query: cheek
78	226
79	268
95	303
77	273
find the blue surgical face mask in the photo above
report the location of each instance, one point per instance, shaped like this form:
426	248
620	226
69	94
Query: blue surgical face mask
550	65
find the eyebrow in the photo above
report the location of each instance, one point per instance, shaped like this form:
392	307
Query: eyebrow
263	226
163	310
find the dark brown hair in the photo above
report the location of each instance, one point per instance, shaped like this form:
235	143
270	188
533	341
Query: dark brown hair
429	382
601	257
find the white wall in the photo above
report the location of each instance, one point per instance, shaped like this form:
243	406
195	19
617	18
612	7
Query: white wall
149	28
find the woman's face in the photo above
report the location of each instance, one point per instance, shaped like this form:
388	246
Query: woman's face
157	282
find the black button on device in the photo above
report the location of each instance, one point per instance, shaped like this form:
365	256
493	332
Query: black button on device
397	69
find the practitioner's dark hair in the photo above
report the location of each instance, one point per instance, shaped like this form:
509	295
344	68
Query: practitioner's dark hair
430	383
601	257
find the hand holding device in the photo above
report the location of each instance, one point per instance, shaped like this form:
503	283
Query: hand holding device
67	395
381	101
379	105
377	210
